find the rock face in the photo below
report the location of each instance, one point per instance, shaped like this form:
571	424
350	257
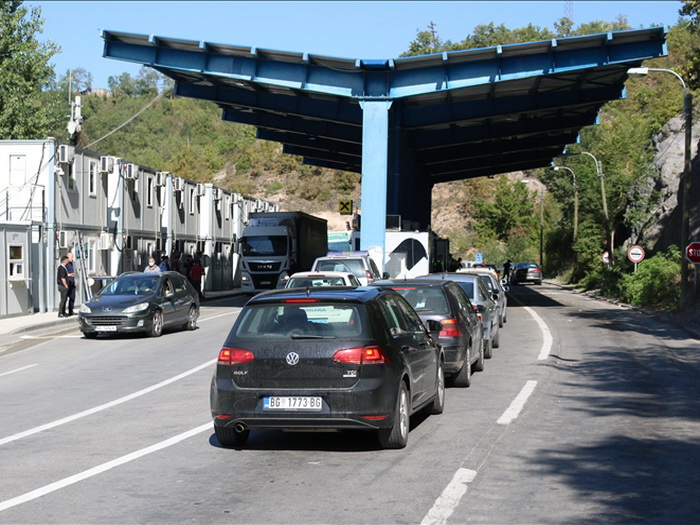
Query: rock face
663	226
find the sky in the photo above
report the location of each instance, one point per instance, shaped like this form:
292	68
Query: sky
349	29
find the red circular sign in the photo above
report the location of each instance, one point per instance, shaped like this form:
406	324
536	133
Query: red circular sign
606	257
692	252
635	254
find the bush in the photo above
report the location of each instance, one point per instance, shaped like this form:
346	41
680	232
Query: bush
656	282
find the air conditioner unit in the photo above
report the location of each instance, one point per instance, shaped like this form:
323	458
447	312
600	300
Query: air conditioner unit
259	205
217	194
63	239
178	184
200	190
106	240
131	172
106	164
65	154
160	178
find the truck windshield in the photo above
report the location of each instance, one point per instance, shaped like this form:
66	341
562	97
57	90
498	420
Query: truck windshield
264	245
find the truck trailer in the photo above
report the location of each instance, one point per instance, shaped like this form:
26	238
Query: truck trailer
274	245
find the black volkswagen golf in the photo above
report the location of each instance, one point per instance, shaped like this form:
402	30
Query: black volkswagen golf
334	358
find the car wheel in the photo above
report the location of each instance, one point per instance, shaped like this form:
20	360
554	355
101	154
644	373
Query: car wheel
500	320
90	335
230	437
438	404
488	349
156	324
497	339
191	323
463	378
505	317
397	435
479	364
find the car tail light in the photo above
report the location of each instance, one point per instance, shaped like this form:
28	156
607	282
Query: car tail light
450	328
375	417
300	301
368	274
366	355
234	356
478	314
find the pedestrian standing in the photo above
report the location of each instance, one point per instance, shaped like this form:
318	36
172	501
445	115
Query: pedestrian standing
196	274
506	269
152	266
164	264
62	283
71	283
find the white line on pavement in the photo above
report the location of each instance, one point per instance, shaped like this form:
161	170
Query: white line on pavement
449	499
52	487
517	404
105	406
17	370
76	336
546	334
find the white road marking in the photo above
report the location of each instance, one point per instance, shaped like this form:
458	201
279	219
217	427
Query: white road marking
546	334
215	317
65	482
517	404
449	499
17	370
105	406
50	336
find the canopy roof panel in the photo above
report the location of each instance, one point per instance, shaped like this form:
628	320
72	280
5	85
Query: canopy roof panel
459	114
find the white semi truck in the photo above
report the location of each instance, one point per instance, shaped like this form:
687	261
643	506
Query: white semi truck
274	245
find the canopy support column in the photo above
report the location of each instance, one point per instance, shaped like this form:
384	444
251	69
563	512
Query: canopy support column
375	163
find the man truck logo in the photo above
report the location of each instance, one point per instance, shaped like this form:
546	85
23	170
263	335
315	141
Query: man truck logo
292	358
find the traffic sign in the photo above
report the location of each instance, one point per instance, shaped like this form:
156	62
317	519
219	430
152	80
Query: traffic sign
606	257
692	252
345	207
635	254
479	257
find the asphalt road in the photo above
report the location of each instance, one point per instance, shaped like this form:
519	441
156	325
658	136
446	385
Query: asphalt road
587	413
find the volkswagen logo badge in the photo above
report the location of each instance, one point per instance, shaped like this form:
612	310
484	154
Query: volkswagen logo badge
106	308
292	358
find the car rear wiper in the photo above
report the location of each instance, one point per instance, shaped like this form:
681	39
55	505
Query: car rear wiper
311	336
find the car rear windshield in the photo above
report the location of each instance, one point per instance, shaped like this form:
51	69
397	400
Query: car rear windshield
425	299
339	320
342	265
308	282
141	285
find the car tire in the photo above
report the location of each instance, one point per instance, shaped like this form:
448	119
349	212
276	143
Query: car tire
191	323
488	349
463	378
90	335
397	435
156	324
500	321
497	339
505	317
230	437
479	364
438	404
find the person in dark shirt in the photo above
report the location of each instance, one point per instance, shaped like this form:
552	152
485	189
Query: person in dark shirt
62	283
196	274
71	283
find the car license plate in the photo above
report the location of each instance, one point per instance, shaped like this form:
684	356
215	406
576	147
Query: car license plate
293	403
105	328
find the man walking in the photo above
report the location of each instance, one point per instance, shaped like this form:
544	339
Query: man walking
62	283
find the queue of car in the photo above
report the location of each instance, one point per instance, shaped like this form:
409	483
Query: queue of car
316	356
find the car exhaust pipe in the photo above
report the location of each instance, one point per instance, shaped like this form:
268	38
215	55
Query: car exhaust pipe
239	427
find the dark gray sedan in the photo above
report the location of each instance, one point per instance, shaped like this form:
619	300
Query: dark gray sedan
141	302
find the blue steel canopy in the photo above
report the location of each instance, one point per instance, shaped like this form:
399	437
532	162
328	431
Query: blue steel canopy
461	114
407	123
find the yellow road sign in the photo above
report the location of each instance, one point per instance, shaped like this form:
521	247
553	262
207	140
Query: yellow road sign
345	207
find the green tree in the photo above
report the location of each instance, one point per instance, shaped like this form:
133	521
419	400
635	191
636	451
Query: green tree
24	71
510	209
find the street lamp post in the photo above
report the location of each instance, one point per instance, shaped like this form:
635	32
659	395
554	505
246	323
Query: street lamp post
557	168
609	233
527	181
685	178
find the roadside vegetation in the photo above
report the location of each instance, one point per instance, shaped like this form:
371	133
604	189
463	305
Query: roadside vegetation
498	216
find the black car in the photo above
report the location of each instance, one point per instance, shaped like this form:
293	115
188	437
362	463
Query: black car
461	334
141	302
526	272
326	358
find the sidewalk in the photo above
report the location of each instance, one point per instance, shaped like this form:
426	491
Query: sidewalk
36	321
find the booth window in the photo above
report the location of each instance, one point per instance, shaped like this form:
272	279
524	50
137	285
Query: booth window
92	179
16	262
149	192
